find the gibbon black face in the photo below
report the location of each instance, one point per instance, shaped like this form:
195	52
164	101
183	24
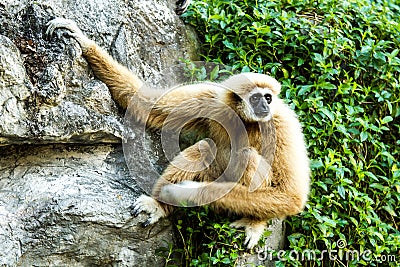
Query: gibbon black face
260	104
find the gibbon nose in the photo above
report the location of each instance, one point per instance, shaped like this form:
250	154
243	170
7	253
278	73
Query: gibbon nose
262	110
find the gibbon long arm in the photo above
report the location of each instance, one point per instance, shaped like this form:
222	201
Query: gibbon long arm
260	205
124	87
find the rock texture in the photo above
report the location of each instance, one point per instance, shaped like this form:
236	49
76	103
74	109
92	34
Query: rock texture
65	189
69	206
47	91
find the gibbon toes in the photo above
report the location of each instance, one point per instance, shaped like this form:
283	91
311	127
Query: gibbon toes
150	206
253	230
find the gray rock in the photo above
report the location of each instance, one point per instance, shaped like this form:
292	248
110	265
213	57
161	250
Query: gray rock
65	189
47	91
61	203
70	206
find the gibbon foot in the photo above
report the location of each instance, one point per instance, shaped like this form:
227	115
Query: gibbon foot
150	206
72	28
253	230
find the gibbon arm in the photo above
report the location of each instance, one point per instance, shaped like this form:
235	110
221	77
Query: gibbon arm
261	204
124	86
122	83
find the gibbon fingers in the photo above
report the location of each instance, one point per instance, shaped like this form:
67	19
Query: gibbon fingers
273	133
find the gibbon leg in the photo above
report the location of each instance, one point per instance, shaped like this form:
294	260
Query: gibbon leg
258	175
225	195
188	168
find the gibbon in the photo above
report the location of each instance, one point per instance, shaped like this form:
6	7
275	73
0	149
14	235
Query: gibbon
255	165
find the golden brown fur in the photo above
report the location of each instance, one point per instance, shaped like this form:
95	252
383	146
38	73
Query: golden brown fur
262	191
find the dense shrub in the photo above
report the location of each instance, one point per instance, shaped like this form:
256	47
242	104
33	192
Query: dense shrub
339	64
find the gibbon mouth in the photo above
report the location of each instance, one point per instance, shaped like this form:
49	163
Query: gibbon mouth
262	114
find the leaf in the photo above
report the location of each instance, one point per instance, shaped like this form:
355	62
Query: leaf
214	73
390	210
316	164
304	89
226	260
228	44
354	221
380	55
341	128
394	53
329	222
387	119
285	73
322	185
342	192
328	113
364	136
318	57
327	85
245	69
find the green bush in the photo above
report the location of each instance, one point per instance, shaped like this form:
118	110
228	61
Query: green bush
339	65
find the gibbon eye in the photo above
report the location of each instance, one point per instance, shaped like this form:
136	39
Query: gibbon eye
255	98
268	97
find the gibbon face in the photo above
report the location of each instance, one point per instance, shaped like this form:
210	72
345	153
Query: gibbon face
254	95
258	105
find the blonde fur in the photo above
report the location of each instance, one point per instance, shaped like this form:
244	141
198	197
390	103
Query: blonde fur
262	191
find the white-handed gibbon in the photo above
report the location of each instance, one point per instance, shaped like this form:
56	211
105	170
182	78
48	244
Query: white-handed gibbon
263	174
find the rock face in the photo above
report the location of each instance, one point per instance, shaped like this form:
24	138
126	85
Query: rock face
48	94
65	189
69	206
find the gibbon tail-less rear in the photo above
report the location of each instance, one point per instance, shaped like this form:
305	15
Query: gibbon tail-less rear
272	164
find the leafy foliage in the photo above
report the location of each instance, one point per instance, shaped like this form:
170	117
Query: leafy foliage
205	240
339	65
